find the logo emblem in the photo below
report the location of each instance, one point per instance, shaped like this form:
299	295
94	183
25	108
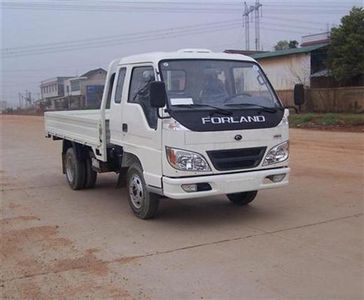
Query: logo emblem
238	137
233	120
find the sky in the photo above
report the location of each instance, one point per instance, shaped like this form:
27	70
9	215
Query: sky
48	38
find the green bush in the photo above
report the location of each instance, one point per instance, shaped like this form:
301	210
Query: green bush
328	119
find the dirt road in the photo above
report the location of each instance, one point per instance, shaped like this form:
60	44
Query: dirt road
300	242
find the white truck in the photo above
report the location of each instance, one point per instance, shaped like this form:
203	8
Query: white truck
184	124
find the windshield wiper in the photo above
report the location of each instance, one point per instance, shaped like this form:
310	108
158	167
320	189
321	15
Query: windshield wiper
264	108
216	108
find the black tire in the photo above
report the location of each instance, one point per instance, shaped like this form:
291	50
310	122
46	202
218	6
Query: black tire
75	170
90	174
242	199
143	203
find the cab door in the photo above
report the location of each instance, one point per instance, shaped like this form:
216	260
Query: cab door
117	97
141	128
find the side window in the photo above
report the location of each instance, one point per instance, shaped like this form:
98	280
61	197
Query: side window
109	92
119	86
141	78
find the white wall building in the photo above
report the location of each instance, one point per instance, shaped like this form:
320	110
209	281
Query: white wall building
52	87
87	88
285	68
315	39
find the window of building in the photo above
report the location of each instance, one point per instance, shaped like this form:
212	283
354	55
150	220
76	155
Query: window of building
139	92
75	85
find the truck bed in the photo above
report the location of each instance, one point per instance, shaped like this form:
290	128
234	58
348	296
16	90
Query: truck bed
81	126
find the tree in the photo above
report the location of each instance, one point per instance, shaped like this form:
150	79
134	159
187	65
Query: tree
284	44
346	49
292	44
281	45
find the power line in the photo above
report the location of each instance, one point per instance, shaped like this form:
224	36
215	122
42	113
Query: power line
119	36
179	3
56	45
137	37
146	35
106	41
304	27
311	4
154	7
47	69
296	21
225	3
114	8
67	3
281	29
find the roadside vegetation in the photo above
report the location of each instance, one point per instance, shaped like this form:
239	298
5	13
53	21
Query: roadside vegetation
327	121
346	50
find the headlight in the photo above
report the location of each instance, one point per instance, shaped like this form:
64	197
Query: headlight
186	161
277	154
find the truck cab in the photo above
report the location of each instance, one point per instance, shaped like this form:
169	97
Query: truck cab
183	124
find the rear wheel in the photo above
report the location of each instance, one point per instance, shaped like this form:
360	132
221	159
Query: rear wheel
143	203
241	199
75	170
90	174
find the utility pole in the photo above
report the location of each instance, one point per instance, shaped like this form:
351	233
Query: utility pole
25	101
247	11
26	98
29	98
246	25
257	24
20	100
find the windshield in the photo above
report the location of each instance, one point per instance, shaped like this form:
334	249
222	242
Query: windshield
202	83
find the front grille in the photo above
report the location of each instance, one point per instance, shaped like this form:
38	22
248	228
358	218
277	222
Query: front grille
233	159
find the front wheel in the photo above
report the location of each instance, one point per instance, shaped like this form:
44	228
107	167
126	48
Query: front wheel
143	203
241	199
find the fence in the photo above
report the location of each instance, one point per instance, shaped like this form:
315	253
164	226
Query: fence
343	99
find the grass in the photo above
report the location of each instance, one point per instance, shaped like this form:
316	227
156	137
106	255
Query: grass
312	120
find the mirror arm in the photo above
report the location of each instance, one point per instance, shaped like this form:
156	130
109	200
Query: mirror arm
294	108
161	117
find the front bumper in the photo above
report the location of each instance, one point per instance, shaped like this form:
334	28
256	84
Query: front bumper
224	183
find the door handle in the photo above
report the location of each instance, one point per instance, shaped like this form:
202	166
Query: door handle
125	127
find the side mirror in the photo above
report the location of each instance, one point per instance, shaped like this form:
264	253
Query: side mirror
299	94
158	94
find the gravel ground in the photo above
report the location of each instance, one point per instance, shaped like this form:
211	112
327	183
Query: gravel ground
304	241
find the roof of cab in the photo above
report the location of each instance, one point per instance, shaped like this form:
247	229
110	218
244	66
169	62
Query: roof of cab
181	54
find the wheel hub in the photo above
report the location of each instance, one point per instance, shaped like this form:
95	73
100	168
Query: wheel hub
70	169
136	191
